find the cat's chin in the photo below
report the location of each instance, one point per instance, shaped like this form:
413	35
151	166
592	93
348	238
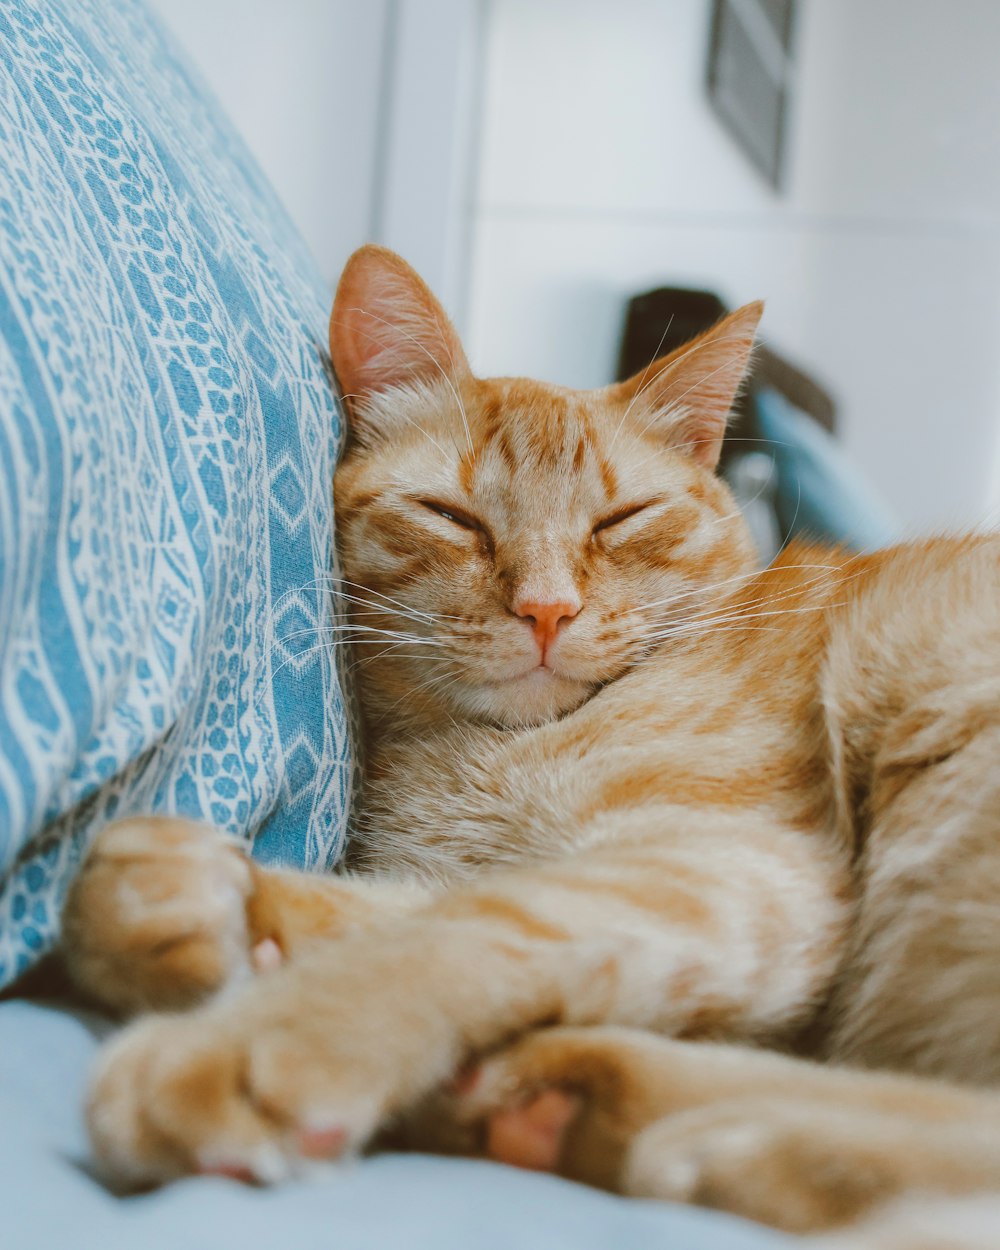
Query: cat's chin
534	698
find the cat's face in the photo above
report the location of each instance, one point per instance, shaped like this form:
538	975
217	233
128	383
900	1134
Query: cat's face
520	544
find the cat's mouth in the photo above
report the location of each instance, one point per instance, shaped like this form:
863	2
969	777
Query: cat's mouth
559	677
546	685
537	674
524	693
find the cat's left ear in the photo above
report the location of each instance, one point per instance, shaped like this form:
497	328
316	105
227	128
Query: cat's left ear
387	329
687	395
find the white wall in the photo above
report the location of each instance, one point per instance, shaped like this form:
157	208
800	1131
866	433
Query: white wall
430	133
603	172
302	80
362	113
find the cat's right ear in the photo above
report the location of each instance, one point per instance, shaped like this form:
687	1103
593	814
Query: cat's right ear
685	398
387	329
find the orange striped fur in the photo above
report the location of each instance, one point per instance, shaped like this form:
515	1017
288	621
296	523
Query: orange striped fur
619	781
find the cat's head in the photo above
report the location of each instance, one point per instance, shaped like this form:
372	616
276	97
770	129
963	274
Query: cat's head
510	546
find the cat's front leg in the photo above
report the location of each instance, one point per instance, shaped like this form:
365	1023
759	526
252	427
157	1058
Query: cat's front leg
308	1060
802	1147
355	1032
165	912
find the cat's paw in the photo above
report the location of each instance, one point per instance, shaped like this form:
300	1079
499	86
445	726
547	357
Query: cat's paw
176	1095
556	1101
157	916
766	1160
303	1065
644	1116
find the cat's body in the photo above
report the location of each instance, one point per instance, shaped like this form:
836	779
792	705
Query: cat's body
854	705
616	777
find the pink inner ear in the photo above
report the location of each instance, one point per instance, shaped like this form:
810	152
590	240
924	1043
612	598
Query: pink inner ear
390	332
700	436
688	395
387	328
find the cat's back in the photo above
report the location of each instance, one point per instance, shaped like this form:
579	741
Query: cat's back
925	617
911	672
924	614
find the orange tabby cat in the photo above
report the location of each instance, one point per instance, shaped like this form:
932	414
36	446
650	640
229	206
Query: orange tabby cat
624	792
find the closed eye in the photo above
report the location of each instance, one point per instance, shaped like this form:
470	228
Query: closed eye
622	514
453	514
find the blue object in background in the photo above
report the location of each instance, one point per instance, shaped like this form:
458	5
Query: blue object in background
819	492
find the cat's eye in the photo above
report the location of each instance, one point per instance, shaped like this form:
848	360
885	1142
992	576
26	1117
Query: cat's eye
451	513
622	514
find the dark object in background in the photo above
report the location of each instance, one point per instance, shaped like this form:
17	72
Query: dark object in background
749	74
660	320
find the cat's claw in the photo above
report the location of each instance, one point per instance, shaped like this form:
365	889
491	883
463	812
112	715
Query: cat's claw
266	956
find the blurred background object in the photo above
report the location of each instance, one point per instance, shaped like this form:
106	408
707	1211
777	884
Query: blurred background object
781	457
751	63
543	162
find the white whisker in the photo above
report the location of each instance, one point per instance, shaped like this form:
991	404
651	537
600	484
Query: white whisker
396	602
642	380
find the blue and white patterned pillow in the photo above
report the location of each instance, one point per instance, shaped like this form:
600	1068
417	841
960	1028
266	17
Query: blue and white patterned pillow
168	432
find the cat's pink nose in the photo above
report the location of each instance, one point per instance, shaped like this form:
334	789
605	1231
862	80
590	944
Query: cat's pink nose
546	619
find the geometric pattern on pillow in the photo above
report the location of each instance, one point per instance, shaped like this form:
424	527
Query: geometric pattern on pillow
168	432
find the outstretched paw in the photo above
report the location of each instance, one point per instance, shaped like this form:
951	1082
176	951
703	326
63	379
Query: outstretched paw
157	916
557	1101
685	1122
175	1095
307	1062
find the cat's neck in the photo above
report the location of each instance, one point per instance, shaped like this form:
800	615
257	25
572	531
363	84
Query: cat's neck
395	707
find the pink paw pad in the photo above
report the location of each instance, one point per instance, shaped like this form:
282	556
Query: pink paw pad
322	1143
531	1136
